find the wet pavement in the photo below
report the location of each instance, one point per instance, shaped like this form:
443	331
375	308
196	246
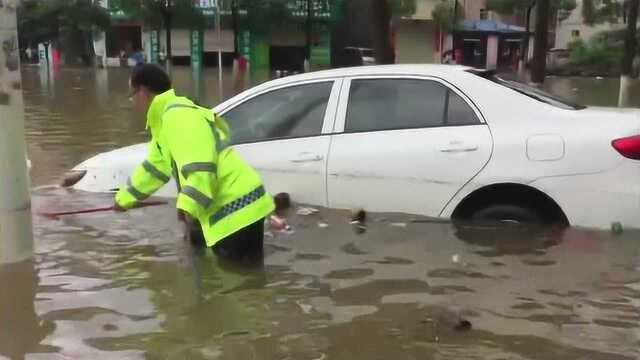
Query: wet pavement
127	286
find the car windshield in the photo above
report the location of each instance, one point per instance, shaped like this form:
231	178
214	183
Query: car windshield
530	91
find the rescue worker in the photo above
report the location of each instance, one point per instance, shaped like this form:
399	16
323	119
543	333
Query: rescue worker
217	188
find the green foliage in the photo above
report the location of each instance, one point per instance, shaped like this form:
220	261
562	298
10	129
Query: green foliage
519	7
509	7
403	7
153	13
600	11
444	17
49	21
599	53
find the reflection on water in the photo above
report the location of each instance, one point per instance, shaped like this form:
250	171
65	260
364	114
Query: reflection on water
590	91
116	286
127	286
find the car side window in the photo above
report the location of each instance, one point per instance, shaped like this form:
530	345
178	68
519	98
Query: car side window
386	104
459	112
295	111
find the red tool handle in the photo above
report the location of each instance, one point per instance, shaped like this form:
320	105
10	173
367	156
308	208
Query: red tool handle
95	210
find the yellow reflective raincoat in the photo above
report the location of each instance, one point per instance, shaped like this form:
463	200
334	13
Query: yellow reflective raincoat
216	186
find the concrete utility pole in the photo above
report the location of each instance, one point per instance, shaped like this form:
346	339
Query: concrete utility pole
16	239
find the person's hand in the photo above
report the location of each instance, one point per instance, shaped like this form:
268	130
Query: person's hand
118	208
185	217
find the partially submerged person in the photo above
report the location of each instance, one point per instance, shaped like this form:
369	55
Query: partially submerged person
217	188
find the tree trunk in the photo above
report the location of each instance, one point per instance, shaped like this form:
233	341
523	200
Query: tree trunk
168	25
524	53
539	64
309	34
235	25
381	30
629	54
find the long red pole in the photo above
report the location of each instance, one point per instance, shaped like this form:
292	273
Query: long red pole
96	210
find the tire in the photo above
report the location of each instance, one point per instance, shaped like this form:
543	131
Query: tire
509	214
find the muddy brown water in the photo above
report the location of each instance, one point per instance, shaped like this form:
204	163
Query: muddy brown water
126	286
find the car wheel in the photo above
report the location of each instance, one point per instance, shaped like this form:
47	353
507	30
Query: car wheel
507	214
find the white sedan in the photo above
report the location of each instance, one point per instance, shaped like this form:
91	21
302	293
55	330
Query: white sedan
434	140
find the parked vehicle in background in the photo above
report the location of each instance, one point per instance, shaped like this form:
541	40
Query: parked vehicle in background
361	56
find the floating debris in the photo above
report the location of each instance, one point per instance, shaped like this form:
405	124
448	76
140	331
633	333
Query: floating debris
399	224
463	325
616	228
306	211
278	224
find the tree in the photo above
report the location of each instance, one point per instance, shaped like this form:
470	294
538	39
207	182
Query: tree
555	9
595	12
446	14
539	64
56	21
603	11
630	45
381	12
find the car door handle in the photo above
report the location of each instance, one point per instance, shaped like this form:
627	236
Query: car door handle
307	159
459	148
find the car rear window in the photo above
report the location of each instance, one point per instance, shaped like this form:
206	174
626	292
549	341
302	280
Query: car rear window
529	91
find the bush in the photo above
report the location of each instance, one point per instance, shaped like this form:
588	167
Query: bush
598	54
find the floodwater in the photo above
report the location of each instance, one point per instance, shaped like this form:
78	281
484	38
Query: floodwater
126	286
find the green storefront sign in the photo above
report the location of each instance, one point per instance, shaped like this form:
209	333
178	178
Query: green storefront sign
197	48
321	49
244	44
154	40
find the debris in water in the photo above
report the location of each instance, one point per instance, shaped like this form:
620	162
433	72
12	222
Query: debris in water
599	78
359	229
278	224
358	220
463	325
307	211
358	215
616	228
399	224
323	225
455	258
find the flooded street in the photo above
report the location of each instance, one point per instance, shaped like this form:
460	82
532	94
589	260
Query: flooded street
126	286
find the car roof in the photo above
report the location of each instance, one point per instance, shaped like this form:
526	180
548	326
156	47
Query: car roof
404	69
436	70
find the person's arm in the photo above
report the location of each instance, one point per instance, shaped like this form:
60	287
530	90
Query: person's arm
193	149
146	179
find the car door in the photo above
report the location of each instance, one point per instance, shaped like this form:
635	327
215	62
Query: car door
404	144
283	133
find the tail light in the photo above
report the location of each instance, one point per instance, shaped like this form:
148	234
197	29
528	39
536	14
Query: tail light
628	147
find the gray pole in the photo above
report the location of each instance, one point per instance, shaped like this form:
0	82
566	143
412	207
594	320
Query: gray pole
219	30
16	239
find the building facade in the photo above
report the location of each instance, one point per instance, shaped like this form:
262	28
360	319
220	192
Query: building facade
574	28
